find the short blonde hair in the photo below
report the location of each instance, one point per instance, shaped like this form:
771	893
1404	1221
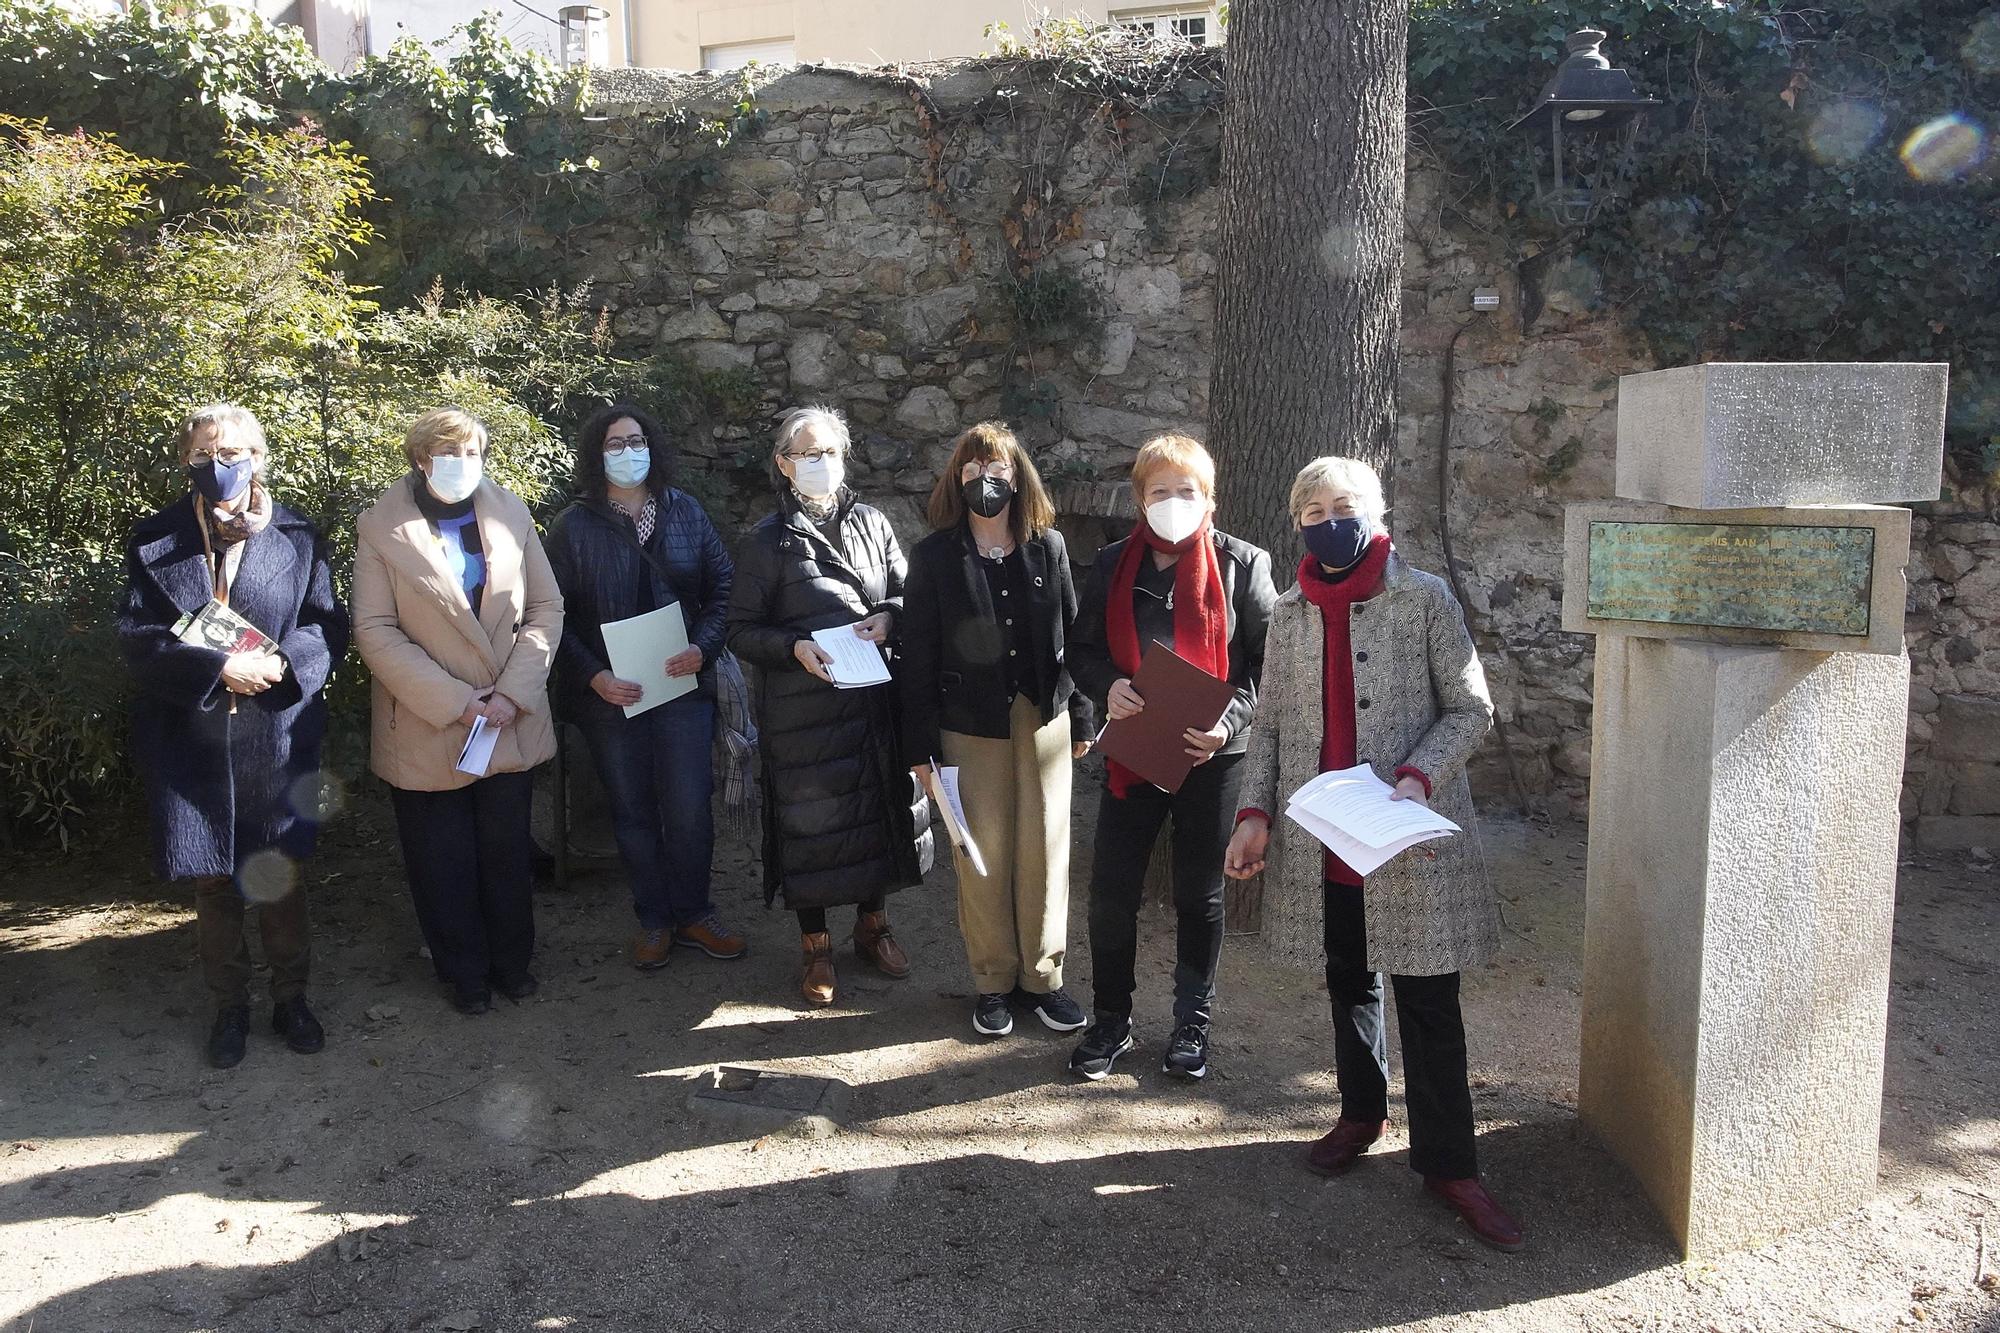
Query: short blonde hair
439	427
1333	471
826	421
1183	453
228	420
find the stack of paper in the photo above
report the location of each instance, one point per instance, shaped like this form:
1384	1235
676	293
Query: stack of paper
856	662
1350	811
952	807
478	751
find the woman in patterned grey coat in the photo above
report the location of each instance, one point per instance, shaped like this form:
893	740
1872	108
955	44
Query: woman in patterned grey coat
1369	661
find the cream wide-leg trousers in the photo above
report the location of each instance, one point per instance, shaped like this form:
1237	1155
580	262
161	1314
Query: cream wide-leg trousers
1015	917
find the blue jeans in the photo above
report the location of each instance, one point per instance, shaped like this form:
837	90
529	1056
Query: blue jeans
657	773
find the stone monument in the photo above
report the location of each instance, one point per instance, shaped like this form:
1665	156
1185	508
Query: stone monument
1751	697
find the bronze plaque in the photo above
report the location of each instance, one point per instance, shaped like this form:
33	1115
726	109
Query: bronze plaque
1760	576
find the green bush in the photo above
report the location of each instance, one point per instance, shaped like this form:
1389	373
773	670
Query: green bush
114	322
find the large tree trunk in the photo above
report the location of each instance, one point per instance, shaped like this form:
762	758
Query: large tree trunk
1311	255
1309	294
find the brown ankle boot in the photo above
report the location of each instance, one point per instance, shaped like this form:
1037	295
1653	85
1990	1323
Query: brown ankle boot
816	968
876	944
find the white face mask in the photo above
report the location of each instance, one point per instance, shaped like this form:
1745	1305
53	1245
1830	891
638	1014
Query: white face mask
628	468
452	479
817	478
1174	520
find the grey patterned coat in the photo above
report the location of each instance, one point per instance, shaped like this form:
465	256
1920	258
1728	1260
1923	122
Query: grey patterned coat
1429	910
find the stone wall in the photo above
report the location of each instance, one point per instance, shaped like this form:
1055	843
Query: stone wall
868	249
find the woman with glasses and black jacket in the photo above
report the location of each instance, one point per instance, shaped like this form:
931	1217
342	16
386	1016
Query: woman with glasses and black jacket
631	543
844	822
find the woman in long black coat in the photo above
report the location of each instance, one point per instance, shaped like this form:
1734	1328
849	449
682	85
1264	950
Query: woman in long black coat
844	822
227	743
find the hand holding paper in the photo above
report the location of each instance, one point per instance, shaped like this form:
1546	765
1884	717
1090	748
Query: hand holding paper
952	807
640	648
1350	810
856	662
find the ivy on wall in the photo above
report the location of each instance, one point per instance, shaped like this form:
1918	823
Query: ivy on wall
1821	183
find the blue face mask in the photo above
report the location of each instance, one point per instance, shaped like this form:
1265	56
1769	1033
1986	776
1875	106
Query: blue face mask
222	482
628	467
1339	543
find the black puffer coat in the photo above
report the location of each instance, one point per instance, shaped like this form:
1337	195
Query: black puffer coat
843	819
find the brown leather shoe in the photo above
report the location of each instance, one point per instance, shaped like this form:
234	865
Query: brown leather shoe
1340	1147
876	944
816	968
711	937
651	949
1480	1211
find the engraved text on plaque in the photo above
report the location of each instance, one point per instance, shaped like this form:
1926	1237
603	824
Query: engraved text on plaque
1746	576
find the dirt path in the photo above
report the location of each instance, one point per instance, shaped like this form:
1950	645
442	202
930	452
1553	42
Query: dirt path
537	1168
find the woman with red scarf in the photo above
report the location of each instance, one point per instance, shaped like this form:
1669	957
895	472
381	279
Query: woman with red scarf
1369	661
1207	596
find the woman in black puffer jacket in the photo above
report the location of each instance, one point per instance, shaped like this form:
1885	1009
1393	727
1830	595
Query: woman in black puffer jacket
843	820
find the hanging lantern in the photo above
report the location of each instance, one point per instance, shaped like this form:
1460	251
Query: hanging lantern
1590	114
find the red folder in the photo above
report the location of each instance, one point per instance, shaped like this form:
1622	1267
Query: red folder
1178	695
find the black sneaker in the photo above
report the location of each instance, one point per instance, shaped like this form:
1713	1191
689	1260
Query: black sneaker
472	1002
1100	1048
296	1024
991	1017
229	1035
1187	1053
1058	1012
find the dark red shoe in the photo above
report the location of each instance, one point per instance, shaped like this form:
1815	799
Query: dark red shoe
1480	1211
1340	1147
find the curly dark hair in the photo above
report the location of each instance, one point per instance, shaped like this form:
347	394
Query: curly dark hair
590	480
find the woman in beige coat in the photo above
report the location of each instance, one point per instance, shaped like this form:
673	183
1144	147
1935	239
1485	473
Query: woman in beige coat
457	615
1369	661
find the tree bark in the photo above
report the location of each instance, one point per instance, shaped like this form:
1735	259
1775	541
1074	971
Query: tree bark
1311	254
1311	263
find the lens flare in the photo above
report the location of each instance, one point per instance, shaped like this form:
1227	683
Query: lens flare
1944	149
317	797
268	876
1845	130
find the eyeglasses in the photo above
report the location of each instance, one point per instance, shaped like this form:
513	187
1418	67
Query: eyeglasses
813	455
618	444
993	467
227	455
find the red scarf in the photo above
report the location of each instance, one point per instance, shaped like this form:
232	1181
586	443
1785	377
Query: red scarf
1337	749
1201	614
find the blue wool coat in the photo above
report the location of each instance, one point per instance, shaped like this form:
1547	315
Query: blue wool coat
224	785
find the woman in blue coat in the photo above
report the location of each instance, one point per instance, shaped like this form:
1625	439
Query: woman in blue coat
227	742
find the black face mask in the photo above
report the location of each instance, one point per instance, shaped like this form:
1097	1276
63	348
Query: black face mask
987	497
1339	542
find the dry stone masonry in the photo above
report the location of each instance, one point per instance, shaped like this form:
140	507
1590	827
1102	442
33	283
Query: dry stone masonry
934	245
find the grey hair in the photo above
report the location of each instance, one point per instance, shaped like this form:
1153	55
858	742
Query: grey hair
228	419
825	421
1356	477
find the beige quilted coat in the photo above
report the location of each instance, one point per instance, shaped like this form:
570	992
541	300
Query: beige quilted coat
1431	909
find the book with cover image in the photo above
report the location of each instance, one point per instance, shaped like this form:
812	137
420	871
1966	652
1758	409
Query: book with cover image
216	626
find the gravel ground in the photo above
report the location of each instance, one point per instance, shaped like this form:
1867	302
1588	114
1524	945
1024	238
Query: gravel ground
537	1168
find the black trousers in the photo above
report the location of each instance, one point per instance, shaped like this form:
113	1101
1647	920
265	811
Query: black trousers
467	854
1434	1086
1204	815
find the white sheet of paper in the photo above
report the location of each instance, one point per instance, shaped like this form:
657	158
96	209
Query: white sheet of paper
478	751
1349	810
639	648
856	662
953	810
